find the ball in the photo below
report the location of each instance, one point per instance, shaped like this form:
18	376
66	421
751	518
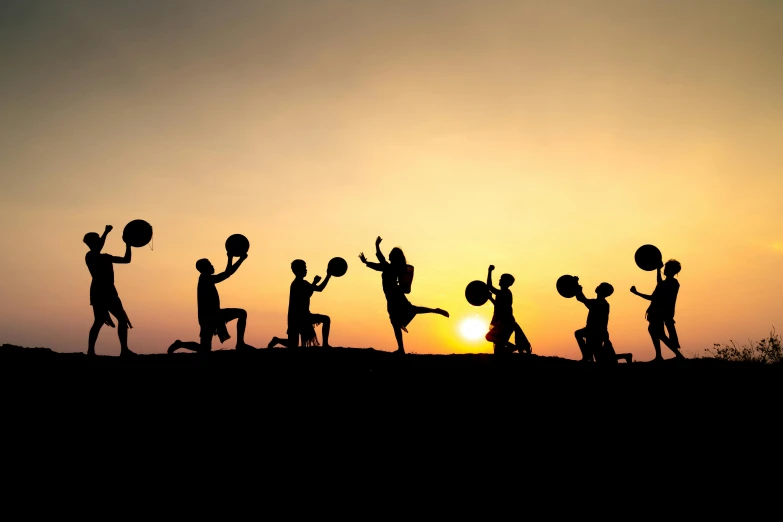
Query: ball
567	286
477	293
648	258
237	245
137	233
337	267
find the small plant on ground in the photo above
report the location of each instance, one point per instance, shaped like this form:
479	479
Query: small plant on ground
766	351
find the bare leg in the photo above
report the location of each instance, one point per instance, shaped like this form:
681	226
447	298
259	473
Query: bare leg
122	333
425	310
94	331
653	330
228	314
398	336
326	323
582	342
277	340
189	345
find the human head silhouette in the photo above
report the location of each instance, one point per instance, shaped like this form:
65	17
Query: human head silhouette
505	281
299	268
205	267
93	240
397	258
604	290
672	267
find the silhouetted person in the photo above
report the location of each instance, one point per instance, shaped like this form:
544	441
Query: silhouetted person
103	295
593	339
661	309
301	323
401	311
503	322
211	317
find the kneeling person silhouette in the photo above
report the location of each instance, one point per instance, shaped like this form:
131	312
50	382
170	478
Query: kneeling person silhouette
301	322
211	317
503	323
593	339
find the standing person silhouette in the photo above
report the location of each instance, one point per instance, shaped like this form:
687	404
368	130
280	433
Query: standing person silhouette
661	309
211	317
503	322
593	339
401	311
301	322
103	295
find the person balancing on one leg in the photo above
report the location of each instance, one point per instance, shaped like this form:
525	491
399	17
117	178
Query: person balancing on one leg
395	286
301	322
103	294
211	317
503	322
660	313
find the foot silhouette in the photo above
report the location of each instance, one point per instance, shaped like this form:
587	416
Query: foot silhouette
173	346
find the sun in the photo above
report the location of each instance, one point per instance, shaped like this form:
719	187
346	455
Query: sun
473	328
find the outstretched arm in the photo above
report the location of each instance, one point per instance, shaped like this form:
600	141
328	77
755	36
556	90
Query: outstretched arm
643	296
491	288
316	286
230	269
378	252
370	264
580	296
124	259
659	275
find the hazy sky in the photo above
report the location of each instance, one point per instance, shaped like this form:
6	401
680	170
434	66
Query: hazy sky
545	137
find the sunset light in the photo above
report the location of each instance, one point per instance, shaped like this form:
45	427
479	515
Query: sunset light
473	328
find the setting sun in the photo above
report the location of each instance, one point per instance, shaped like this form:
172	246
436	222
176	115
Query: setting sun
473	328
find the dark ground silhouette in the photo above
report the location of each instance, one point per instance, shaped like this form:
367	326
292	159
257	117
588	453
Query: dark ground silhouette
374	413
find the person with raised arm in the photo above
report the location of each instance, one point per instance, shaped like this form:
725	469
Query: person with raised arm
593	339
503	322
211	317
301	323
660	313
103	294
393	273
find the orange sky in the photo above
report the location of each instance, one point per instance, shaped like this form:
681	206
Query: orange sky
543	137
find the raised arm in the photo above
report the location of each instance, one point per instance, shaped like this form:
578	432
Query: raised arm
378	252
316	286
491	288
230	269
124	259
580	296
643	296
659	274
375	266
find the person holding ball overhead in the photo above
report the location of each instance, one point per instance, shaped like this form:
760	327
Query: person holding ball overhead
660	313
103	294
211	317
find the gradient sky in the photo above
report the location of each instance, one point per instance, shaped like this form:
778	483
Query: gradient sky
546	137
